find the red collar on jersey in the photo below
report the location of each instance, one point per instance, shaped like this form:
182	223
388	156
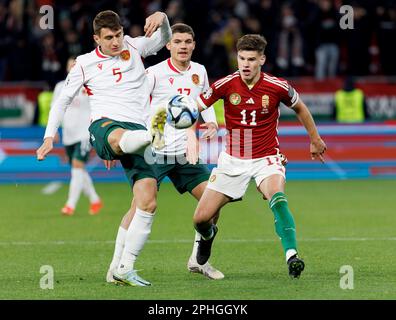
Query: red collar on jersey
173	68
99	53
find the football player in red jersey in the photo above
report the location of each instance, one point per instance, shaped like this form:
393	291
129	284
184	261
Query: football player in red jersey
251	108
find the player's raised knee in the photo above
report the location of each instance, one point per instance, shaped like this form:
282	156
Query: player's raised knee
114	140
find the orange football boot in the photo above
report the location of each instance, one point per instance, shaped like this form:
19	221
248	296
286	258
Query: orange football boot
67	211
95	207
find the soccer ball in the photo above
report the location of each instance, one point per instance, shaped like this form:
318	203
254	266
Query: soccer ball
182	111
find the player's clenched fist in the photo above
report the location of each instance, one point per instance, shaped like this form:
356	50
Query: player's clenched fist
45	148
318	148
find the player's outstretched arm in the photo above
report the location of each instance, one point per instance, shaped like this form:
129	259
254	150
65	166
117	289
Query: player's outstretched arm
73	84
317	146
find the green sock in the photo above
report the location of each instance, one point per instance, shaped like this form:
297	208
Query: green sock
284	222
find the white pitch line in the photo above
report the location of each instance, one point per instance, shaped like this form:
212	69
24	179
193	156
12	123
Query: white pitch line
96	242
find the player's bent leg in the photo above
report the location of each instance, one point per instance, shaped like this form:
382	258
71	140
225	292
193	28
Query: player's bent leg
145	194
192	265
96	204
118	249
198	191
120	242
127	219
273	189
134	141
145	191
75	187
114	140
208	206
128	142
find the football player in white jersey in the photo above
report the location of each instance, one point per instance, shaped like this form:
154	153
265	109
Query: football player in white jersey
178	158
75	138
114	76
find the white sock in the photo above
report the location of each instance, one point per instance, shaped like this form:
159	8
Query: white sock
119	247
135	141
75	187
290	253
89	188
195	246
136	237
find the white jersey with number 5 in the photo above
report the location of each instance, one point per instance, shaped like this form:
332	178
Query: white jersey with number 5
165	81
117	86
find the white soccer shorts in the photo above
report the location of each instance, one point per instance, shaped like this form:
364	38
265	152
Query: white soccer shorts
232	175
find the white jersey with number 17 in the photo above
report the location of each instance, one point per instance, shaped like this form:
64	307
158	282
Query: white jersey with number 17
165	81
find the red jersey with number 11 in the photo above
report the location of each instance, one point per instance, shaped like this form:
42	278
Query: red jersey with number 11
251	115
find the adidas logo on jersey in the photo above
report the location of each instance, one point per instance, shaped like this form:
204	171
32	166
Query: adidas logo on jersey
250	101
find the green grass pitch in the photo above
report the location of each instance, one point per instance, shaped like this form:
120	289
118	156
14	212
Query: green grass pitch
339	223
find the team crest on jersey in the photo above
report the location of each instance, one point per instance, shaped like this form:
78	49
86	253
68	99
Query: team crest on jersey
265	103
125	55
195	79
100	66
171	80
235	98
212	178
208	93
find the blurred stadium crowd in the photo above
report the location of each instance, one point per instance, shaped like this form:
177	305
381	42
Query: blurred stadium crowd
304	36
